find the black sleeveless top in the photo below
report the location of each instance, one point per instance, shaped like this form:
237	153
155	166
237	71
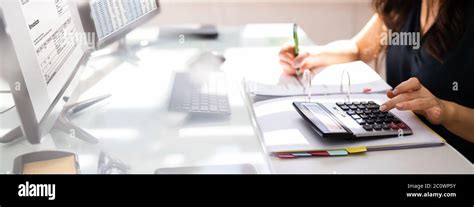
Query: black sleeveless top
450	80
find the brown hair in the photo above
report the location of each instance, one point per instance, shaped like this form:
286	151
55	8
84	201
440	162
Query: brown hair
443	35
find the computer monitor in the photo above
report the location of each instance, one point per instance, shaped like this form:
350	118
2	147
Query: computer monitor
111	20
44	50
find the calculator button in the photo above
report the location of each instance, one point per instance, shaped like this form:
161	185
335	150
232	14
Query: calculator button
353	107
402	125
370	121
345	108
359	112
340	103
368	127
393	126
355	116
364	116
360	121
377	127
386	126
350	112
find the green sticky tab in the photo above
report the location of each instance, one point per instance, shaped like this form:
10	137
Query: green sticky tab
338	153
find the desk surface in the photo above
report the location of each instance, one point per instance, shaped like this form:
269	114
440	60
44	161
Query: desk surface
135	126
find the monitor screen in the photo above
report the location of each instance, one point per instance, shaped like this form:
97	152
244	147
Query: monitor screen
52	33
111	16
46	48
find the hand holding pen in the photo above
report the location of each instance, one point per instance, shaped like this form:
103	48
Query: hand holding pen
294	61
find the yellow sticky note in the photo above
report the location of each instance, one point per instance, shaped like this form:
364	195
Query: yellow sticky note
354	150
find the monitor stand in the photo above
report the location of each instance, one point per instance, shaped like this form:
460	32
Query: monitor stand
64	123
124	51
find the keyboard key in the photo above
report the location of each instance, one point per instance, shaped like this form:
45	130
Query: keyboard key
370	121
359	112
350	112
353	107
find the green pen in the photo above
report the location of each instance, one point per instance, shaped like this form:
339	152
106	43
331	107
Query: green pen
297	45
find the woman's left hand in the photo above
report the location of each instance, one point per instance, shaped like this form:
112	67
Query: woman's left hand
412	95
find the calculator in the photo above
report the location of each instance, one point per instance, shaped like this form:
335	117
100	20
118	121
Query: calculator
351	120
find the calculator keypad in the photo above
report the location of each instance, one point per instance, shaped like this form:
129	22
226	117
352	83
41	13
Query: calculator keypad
369	117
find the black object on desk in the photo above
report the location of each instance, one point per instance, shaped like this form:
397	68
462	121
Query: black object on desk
352	120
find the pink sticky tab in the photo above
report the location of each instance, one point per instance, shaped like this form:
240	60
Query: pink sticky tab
285	156
320	153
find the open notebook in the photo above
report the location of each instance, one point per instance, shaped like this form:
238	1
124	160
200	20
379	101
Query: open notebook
286	134
328	81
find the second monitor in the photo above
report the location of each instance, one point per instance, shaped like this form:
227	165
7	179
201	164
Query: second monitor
111	20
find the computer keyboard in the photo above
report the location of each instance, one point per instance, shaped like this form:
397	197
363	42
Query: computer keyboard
194	95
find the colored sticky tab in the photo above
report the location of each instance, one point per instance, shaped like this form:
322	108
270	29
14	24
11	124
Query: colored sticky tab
337	152
320	153
301	154
354	150
285	156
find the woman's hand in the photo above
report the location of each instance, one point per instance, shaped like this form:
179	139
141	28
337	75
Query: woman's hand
411	95
304	61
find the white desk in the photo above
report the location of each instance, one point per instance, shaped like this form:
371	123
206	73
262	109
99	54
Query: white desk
136	127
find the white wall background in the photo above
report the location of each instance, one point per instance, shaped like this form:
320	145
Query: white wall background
323	20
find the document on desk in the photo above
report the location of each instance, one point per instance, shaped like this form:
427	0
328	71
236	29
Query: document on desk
331	80
283	130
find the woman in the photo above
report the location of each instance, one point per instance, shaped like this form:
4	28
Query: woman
434	79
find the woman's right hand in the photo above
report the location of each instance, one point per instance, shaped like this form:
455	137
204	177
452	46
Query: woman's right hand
304	61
